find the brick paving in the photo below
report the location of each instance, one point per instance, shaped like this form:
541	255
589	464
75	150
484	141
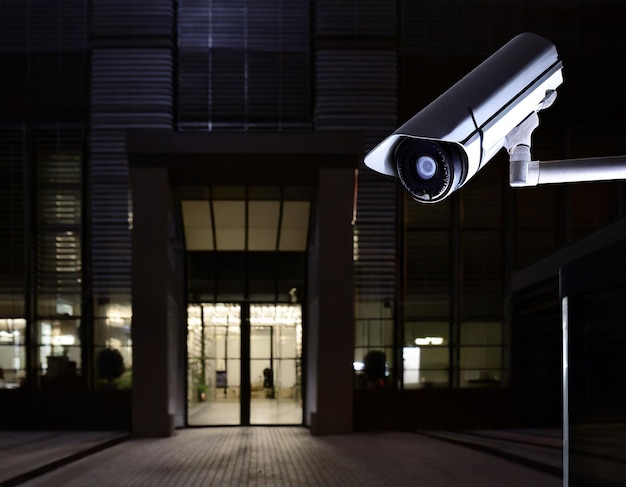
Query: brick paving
290	456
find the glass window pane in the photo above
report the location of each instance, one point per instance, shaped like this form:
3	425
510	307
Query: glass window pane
112	330
428	332
287	342
481	333
434	357
434	379
428	269
481	357
260	345
482	274
12	352
480	378
416	373
361	335
375	333
286	378
69	304
12	362
233	374
425	366
112	367
59	353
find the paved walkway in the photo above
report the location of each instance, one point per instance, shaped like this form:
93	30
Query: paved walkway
290	456
24	454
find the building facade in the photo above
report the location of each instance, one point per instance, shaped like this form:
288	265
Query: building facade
432	285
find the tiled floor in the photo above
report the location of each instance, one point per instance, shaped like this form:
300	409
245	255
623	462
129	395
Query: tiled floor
290	456
262	411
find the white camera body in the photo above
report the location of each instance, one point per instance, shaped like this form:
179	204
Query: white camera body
450	140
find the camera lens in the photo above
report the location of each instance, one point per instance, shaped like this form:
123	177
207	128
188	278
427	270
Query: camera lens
425	167
429	170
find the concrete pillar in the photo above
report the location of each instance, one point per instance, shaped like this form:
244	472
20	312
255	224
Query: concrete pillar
330	335
157	305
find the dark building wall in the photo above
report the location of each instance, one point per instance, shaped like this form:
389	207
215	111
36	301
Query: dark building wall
537	354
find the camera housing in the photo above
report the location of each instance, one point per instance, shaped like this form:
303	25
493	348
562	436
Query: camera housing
438	150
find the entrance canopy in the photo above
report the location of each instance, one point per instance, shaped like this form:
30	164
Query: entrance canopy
194	158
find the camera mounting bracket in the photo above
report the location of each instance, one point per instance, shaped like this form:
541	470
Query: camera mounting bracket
525	172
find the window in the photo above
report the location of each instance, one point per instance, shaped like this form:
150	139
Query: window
481	354
374	333
12	352
426	355
58	261
112	331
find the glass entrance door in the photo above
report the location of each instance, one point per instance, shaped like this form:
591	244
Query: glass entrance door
213	364
248	374
275	367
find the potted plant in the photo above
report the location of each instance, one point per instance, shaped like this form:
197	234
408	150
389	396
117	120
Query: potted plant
201	390
110	367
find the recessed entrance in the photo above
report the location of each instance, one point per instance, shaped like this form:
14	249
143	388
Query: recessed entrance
244	364
246	262
242	218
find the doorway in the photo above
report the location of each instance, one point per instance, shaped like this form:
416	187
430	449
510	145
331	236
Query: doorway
233	252
244	364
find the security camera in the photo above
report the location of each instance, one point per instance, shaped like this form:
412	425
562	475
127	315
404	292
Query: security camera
438	150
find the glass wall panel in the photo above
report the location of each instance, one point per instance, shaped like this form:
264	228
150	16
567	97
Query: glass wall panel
59	353
213	364
230	278
262	278
481	293
275	363
373	340
291	277
481	354
12	353
481	333
112	331
426	354
428	272
58	262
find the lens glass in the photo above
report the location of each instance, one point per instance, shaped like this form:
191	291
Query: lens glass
429	170
425	167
